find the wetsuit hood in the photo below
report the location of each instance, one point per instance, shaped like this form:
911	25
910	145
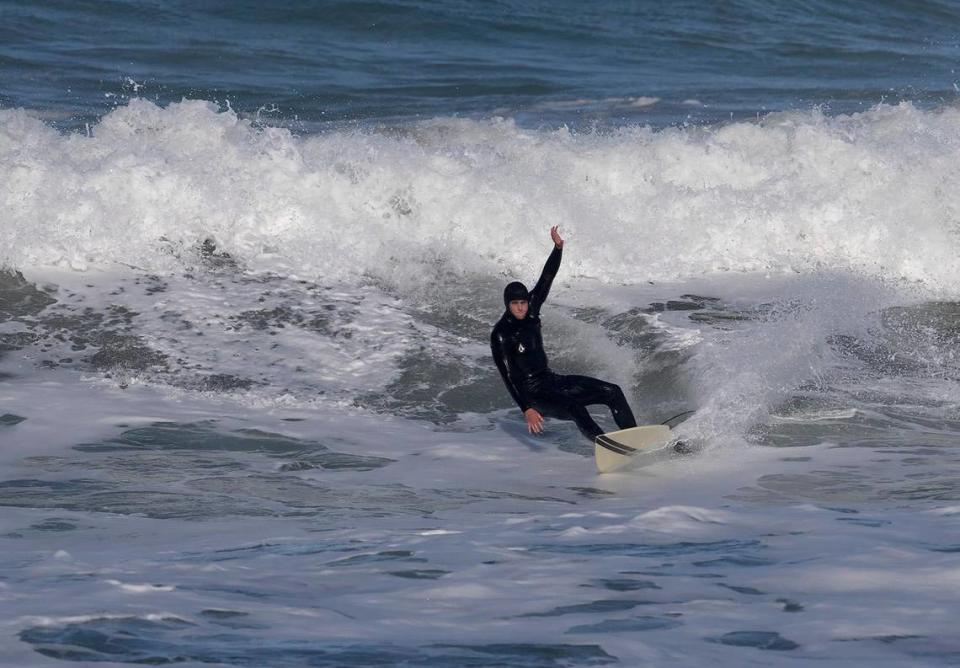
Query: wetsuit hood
514	291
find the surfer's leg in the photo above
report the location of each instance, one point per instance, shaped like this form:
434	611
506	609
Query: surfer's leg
587	391
586	424
557	404
621	410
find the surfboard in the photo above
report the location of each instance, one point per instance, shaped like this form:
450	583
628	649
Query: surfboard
617	449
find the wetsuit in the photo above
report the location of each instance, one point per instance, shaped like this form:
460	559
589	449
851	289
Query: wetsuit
517	347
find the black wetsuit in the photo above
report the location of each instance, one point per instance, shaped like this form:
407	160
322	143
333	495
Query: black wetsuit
517	347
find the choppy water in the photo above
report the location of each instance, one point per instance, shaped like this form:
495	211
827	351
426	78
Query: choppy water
247	411
543	63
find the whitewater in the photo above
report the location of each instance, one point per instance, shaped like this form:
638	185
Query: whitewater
870	193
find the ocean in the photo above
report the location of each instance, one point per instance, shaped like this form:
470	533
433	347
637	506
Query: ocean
250	257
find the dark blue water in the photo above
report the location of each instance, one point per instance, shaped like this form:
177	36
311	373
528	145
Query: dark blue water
309	64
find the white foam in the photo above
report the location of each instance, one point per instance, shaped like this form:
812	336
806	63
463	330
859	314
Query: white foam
438	532
140	588
672	517
643	101
874	193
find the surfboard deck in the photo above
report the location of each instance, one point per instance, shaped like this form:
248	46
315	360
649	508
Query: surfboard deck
617	449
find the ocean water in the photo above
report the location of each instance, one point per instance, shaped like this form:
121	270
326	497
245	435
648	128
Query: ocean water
250	256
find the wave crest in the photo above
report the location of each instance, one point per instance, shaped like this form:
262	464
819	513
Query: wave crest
874	193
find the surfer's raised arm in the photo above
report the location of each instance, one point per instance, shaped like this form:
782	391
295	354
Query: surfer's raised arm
555	235
540	291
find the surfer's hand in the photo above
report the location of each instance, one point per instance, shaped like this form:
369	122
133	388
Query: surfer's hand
534	420
555	235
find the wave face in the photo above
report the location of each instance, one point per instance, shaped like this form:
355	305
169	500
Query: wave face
874	193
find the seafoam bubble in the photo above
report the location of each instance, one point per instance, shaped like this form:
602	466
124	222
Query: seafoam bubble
673	516
946	511
140	588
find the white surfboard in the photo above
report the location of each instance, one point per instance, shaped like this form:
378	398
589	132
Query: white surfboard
617	449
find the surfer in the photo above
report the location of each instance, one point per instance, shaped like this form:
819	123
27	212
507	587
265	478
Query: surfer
517	346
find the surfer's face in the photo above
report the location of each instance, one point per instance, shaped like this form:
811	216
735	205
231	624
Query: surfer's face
518	308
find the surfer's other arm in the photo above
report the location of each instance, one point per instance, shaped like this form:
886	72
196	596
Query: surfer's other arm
498	347
532	416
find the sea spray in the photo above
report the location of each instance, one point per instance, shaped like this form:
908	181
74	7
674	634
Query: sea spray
747	370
